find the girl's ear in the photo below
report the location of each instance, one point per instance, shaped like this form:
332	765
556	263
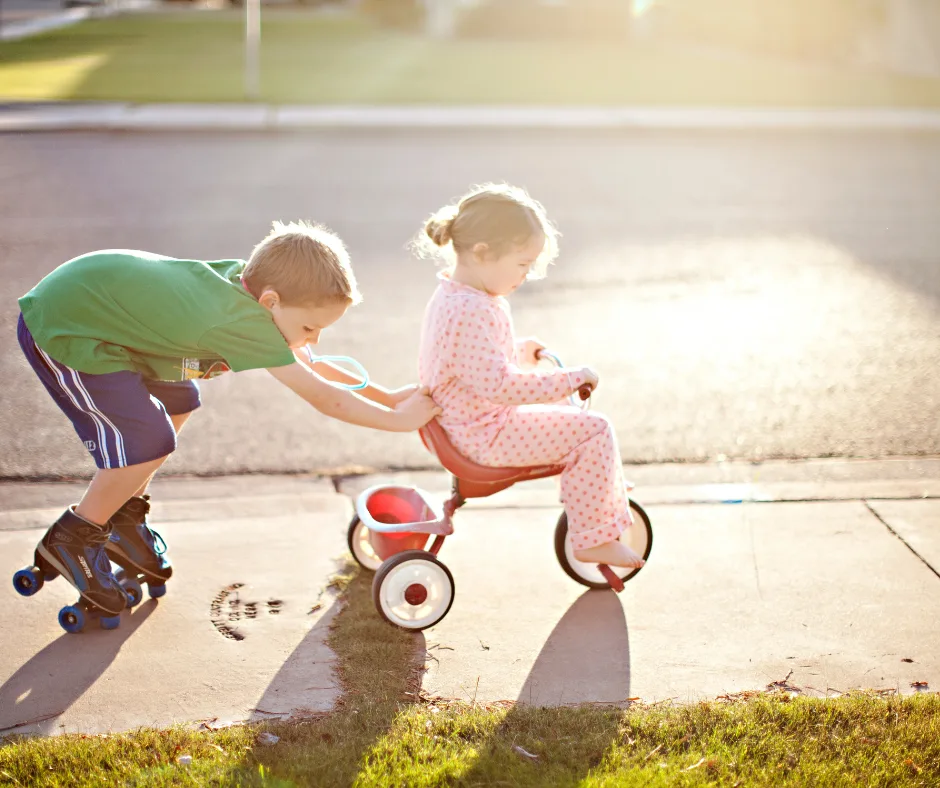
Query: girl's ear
481	251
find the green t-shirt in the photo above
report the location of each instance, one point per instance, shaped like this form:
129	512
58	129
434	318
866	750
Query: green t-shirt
168	319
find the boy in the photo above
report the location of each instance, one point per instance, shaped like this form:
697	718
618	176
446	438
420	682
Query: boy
119	338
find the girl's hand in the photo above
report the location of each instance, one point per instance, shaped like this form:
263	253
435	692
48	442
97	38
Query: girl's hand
397	396
590	377
416	410
527	351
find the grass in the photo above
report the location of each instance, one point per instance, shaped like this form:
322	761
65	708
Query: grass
385	733
309	59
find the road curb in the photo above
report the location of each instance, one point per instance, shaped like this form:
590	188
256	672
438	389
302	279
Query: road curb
121	116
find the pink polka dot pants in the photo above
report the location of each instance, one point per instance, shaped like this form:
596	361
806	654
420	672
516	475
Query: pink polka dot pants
592	485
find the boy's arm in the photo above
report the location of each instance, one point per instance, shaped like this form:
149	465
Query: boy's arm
374	392
346	406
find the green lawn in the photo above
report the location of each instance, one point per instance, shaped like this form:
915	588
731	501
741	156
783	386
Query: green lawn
185	56
384	733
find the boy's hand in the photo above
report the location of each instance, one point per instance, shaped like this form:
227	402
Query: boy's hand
527	351
416	410
397	396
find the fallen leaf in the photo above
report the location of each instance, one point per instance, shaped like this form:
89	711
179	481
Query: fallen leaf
653	752
525	753
919	684
914	766
906	659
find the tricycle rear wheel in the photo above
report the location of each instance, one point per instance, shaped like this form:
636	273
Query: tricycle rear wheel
638	538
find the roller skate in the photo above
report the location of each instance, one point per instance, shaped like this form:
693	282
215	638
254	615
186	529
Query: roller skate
138	550
74	548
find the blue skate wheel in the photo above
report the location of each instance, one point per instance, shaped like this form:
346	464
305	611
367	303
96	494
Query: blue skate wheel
28	581
157	591
110	622
133	590
72	618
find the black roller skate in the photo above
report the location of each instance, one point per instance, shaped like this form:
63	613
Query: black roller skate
138	550
74	548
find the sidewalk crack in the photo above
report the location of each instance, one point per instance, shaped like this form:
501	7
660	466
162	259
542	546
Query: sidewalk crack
901	538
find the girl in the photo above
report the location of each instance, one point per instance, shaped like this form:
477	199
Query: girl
494	412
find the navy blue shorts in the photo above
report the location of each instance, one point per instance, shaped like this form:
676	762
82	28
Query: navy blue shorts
122	417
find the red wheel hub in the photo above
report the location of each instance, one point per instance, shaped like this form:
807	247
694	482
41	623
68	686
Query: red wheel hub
416	594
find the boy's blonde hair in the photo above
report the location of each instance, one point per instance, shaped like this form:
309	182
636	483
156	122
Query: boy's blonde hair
305	264
497	214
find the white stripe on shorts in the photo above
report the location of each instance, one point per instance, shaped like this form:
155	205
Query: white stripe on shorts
99	427
118	438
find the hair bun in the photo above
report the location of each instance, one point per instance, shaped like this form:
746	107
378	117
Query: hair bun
439	226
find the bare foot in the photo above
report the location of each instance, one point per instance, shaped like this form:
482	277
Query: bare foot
610	553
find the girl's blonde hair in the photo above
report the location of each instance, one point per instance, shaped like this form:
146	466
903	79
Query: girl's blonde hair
496	214
305	264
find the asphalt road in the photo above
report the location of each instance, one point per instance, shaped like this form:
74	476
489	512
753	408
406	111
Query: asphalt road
752	295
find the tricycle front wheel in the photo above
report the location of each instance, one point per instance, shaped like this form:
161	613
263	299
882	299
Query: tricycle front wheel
413	590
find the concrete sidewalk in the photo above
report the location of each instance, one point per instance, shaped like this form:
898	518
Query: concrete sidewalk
825	574
807	578
121	116
240	634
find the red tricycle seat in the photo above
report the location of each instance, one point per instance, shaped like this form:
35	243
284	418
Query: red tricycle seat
474	480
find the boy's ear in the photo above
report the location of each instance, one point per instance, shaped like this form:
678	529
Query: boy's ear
268	298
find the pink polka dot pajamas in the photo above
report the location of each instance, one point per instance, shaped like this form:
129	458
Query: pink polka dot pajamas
499	415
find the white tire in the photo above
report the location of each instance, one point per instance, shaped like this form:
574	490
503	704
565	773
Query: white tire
413	590
357	538
639	538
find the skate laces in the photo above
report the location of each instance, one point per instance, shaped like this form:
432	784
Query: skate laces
103	566
153	539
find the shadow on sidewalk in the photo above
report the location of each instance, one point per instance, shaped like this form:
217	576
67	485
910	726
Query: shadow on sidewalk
364	683
586	658
585	661
306	684
45	686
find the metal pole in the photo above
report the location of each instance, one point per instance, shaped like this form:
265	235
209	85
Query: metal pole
252	48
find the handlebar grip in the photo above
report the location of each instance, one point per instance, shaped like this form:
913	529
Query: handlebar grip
585	391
